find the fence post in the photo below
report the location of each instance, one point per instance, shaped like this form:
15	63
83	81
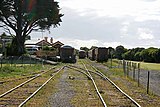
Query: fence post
30	59
138	72
11	60
148	82
1	61
119	62
124	66
111	62
22	60
127	68
134	71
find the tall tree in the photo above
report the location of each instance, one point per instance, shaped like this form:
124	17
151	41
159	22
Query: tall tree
119	51
24	16
84	48
111	52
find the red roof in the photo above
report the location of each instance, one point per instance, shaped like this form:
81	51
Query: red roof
43	42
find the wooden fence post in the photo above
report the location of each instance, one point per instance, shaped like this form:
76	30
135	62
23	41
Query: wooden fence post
134	68
1	62
138	73
148	82
127	68
124	67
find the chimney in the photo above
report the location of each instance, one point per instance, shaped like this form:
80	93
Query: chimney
51	40
45	38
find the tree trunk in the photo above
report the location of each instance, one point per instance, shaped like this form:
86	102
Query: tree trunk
18	42
17	46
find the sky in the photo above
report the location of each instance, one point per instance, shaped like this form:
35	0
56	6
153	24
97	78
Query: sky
107	23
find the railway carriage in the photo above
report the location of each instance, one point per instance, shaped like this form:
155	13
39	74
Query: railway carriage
67	54
101	54
82	54
91	54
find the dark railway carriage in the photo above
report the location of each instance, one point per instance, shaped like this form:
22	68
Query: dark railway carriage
91	54
101	54
82	54
67	54
87	54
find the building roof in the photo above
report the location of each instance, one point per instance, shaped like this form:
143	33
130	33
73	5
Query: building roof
43	42
32	42
57	43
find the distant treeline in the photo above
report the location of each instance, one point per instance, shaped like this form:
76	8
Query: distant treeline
136	54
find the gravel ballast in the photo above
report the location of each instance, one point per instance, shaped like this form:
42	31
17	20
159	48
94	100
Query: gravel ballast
62	97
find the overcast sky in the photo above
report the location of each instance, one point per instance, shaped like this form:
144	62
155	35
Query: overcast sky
131	23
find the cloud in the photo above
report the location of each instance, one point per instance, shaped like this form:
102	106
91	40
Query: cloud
116	8
145	34
149	0
88	27
124	29
77	43
108	23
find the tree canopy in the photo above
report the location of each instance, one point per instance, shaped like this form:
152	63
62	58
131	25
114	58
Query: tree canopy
84	48
138	54
24	16
119	51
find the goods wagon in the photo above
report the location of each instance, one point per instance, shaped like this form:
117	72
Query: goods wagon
82	54
91	54
67	54
101	54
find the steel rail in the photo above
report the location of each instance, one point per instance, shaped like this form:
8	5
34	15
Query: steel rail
86	71
2	82
24	102
102	75
20	85
30	76
130	98
101	98
71	67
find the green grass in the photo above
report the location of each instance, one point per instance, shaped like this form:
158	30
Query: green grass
114	63
150	66
143	65
10	71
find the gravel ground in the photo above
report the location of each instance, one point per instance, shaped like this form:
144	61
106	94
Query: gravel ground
62	97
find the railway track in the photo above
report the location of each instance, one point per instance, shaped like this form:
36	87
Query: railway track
96	88
21	93
109	93
11	83
121	91
21	78
7	84
91	98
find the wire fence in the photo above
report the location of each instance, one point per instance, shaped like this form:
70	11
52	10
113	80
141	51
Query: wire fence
145	77
18	61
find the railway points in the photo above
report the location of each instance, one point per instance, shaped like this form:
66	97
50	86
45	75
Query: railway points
81	81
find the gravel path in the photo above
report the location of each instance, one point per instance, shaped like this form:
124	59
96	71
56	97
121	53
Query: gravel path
62	97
